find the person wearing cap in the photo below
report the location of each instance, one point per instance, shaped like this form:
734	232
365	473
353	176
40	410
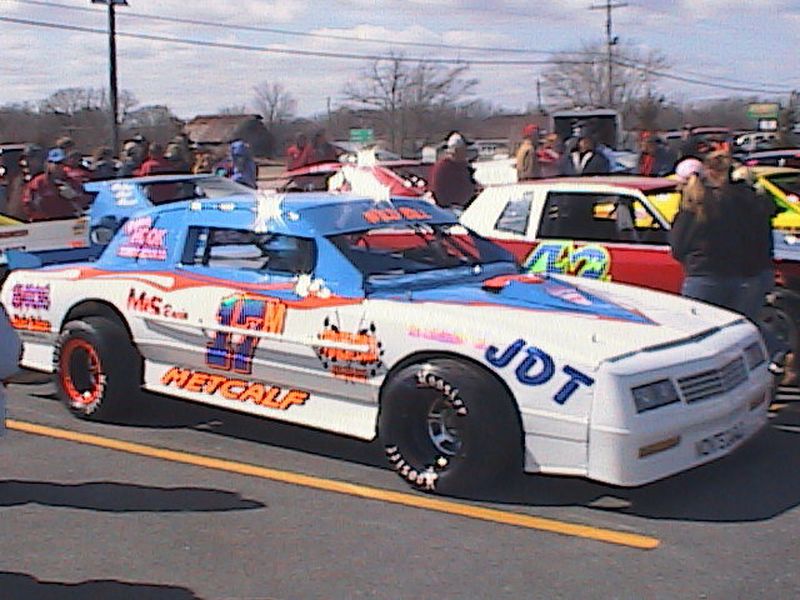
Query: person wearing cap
53	194
527	158
451	179
245	170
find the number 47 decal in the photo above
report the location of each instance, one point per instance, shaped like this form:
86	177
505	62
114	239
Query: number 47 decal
563	257
234	352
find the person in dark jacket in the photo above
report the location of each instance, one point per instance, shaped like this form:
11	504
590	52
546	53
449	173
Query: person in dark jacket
585	160
451	179
704	240
758	265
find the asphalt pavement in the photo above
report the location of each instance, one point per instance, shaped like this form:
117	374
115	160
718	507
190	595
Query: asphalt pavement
186	501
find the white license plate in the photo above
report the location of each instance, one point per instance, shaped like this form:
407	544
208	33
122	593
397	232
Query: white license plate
720	441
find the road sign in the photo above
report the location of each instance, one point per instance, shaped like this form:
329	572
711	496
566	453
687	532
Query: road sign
763	110
362	136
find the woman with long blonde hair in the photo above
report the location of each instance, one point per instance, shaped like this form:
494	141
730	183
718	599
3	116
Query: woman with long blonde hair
704	239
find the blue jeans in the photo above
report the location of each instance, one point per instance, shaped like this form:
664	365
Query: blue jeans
723	291
754	290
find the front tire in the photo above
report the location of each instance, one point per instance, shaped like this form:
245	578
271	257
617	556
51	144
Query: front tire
449	426
98	372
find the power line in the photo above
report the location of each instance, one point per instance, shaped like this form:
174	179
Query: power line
374	57
289	32
314	53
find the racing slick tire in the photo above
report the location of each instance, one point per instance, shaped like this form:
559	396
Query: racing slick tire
448	426
98	371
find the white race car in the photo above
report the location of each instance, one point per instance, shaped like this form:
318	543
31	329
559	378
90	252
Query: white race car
388	319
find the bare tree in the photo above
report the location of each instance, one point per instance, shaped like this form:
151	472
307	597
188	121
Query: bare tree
581	79
405	96
274	103
69	101
235	109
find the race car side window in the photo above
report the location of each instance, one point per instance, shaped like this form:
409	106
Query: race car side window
569	215
515	215
242	250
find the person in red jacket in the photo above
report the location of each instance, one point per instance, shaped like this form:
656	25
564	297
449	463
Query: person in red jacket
53	194
294	153
156	163
451	180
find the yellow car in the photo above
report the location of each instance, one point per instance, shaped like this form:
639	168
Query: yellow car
781	183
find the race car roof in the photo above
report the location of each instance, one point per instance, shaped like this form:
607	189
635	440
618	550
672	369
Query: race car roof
315	213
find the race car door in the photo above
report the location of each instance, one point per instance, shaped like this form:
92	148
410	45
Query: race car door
262	285
611	235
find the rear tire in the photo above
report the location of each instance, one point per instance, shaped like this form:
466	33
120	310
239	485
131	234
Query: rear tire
449	426
98	371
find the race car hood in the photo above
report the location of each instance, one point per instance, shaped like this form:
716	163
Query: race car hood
590	320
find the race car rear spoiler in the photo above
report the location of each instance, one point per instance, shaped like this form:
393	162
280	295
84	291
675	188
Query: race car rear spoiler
19	259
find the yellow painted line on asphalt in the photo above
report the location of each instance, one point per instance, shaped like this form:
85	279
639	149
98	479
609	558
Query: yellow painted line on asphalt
609	536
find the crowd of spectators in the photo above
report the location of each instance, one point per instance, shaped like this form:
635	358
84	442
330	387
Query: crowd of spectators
49	183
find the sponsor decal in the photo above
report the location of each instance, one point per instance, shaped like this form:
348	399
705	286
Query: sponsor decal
567	294
424	480
351	365
153	305
537	368
445	337
241	390
26	295
31	324
392	215
234	352
565	258
124	194
143	240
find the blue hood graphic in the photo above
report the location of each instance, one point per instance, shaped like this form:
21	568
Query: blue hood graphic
526	293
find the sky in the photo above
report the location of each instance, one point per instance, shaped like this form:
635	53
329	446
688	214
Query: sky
749	44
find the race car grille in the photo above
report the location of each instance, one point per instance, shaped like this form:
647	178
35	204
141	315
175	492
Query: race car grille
711	383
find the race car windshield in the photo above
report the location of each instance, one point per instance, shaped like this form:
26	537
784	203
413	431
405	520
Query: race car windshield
417	248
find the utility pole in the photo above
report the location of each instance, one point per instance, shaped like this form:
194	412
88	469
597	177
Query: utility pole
539	94
611	41
112	70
